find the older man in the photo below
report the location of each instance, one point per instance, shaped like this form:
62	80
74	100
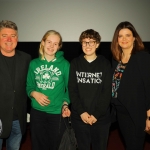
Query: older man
13	99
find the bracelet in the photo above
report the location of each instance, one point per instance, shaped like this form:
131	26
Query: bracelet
64	105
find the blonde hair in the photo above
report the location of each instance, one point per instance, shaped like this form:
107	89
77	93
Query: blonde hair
49	32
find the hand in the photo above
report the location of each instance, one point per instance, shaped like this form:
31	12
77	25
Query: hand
85	117
65	111
147	128
92	120
40	98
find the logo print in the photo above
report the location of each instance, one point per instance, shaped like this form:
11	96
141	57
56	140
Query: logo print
46	80
46	77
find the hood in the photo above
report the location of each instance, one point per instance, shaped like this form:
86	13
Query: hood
59	56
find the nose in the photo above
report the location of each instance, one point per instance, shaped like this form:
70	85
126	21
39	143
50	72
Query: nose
9	38
124	37
87	44
51	45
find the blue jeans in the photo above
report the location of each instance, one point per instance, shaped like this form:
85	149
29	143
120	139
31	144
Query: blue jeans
14	140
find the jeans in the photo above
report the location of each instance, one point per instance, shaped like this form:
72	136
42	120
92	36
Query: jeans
14	140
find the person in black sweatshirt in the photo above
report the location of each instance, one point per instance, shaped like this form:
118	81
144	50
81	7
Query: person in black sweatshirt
90	93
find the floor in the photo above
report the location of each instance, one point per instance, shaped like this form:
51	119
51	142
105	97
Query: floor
114	141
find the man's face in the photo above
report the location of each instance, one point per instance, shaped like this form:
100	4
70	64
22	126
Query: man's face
8	41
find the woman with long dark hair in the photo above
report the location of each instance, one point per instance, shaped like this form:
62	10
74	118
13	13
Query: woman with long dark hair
131	85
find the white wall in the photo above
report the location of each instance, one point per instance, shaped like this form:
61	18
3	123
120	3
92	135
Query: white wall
71	17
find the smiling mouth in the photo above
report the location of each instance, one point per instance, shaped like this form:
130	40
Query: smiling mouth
124	42
49	49
88	49
8	44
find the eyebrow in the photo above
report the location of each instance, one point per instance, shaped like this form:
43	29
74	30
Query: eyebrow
90	40
7	34
52	41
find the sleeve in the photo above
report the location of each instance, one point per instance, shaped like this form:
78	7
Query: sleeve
144	67
66	78
30	85
73	90
105	95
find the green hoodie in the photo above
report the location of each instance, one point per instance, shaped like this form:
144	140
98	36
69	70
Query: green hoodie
51	79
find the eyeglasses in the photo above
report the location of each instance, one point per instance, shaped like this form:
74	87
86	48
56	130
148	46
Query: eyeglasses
90	43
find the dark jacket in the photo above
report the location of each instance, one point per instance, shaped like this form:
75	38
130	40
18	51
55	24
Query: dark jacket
134	89
8	94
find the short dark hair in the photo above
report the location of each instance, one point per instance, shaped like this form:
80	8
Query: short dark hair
8	24
90	33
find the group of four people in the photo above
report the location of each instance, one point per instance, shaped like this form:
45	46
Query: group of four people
91	86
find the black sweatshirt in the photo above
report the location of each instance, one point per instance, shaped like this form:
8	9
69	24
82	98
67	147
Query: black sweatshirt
90	86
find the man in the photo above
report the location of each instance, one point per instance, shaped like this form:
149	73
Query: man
13	99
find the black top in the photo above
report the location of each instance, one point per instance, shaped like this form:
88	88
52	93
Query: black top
10	65
13	92
90	86
134	88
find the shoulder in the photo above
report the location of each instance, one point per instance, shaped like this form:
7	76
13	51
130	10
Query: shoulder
77	62
103	60
114	64
143	60
113	61
61	61
142	53
35	60
143	56
78	59
74	60
65	63
22	54
22	57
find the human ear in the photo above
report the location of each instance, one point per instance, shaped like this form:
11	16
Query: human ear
97	45
43	43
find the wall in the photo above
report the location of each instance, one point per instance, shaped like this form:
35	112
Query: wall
71	17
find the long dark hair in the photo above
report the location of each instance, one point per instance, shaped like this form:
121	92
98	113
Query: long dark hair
116	49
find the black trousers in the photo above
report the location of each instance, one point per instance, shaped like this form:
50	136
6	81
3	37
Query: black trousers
87	135
127	128
46	130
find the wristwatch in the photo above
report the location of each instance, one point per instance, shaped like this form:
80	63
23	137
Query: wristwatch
148	118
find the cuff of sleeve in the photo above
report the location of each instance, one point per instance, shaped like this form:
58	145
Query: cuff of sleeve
80	111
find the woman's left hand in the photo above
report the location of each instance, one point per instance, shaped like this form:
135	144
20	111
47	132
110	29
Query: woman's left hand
65	111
